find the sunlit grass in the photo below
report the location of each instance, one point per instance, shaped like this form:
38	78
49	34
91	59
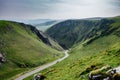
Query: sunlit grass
23	49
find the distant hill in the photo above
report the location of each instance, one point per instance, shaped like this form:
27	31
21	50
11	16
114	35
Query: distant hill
46	23
44	26
37	21
70	32
23	46
94	18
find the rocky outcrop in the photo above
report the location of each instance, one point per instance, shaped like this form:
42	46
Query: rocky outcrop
2	58
105	73
39	77
43	37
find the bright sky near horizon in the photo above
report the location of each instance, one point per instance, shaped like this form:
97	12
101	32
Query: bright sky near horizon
58	9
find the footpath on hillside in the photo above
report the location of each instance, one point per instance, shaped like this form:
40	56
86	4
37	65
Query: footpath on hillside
42	67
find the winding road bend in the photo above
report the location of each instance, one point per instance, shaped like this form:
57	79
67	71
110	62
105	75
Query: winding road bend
42	67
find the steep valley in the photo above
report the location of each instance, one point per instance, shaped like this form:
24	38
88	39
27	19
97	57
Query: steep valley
94	44
23	47
96	47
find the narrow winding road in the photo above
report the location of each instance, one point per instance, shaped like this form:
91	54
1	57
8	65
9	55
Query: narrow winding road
42	67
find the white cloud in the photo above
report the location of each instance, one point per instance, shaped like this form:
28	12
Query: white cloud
30	9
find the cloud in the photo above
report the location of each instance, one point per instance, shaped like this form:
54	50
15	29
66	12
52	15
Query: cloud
30	9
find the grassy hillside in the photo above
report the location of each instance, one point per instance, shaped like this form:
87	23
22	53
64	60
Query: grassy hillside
71	32
93	53
68	32
22	49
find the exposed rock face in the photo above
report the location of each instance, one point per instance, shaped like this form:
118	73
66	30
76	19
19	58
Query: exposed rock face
100	74
117	70
43	37
39	77
95	77
37	32
2	58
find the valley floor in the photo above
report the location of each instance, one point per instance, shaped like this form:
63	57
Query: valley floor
42	67
83	60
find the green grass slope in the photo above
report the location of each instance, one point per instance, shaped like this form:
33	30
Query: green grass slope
93	53
69	32
22	49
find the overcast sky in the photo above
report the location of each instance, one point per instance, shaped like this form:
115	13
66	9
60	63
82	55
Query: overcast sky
58	9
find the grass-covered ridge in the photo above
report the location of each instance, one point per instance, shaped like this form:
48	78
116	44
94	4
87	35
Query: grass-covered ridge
100	50
80	62
68	32
22	49
71	32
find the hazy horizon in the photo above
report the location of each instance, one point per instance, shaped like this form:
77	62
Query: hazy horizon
58	9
